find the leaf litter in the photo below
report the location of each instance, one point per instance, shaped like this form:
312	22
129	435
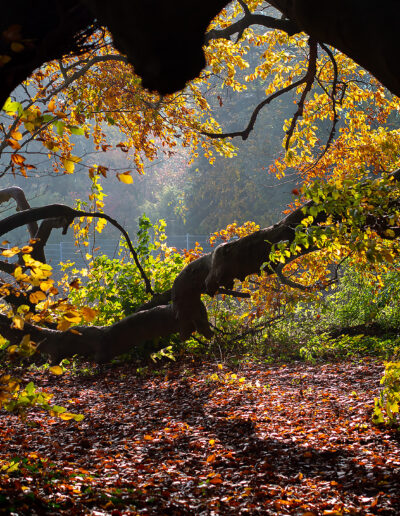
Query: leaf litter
204	439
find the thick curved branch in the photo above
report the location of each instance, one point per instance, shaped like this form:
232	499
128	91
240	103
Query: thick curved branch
363	30
16	193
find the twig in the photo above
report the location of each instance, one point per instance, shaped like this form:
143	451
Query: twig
333	99
233	293
245	133
309	80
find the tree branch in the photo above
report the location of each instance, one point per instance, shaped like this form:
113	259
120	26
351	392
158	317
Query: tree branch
245	133
247	21
309	80
16	193
67	214
210	274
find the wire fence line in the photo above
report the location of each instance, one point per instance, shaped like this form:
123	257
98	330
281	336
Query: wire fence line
67	251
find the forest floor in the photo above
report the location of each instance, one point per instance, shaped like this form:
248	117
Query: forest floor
203	439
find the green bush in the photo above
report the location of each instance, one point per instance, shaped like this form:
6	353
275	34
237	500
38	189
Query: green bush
386	409
115	287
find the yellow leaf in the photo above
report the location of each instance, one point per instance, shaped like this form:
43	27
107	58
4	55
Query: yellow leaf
69	165
27	249
18	322
63	325
10	252
51	105
211	458
46	285
56	370
18	274
148	437
212	442
75	332
125	177
13	144
66	416
17	159
37	296
73	317
29	126
220	366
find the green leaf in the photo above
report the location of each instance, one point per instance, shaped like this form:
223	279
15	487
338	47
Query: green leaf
30	389
60	126
76	130
58	409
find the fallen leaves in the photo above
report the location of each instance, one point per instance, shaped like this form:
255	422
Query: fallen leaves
181	443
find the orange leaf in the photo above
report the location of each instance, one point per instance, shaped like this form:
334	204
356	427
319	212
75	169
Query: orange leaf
17	159
89	314
216	480
16	135
13	144
37	296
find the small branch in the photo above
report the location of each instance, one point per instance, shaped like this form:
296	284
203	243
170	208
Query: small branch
245	7
245	133
7	267
284	280
158	299
79	73
309	80
233	293
43	235
333	99
63	70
